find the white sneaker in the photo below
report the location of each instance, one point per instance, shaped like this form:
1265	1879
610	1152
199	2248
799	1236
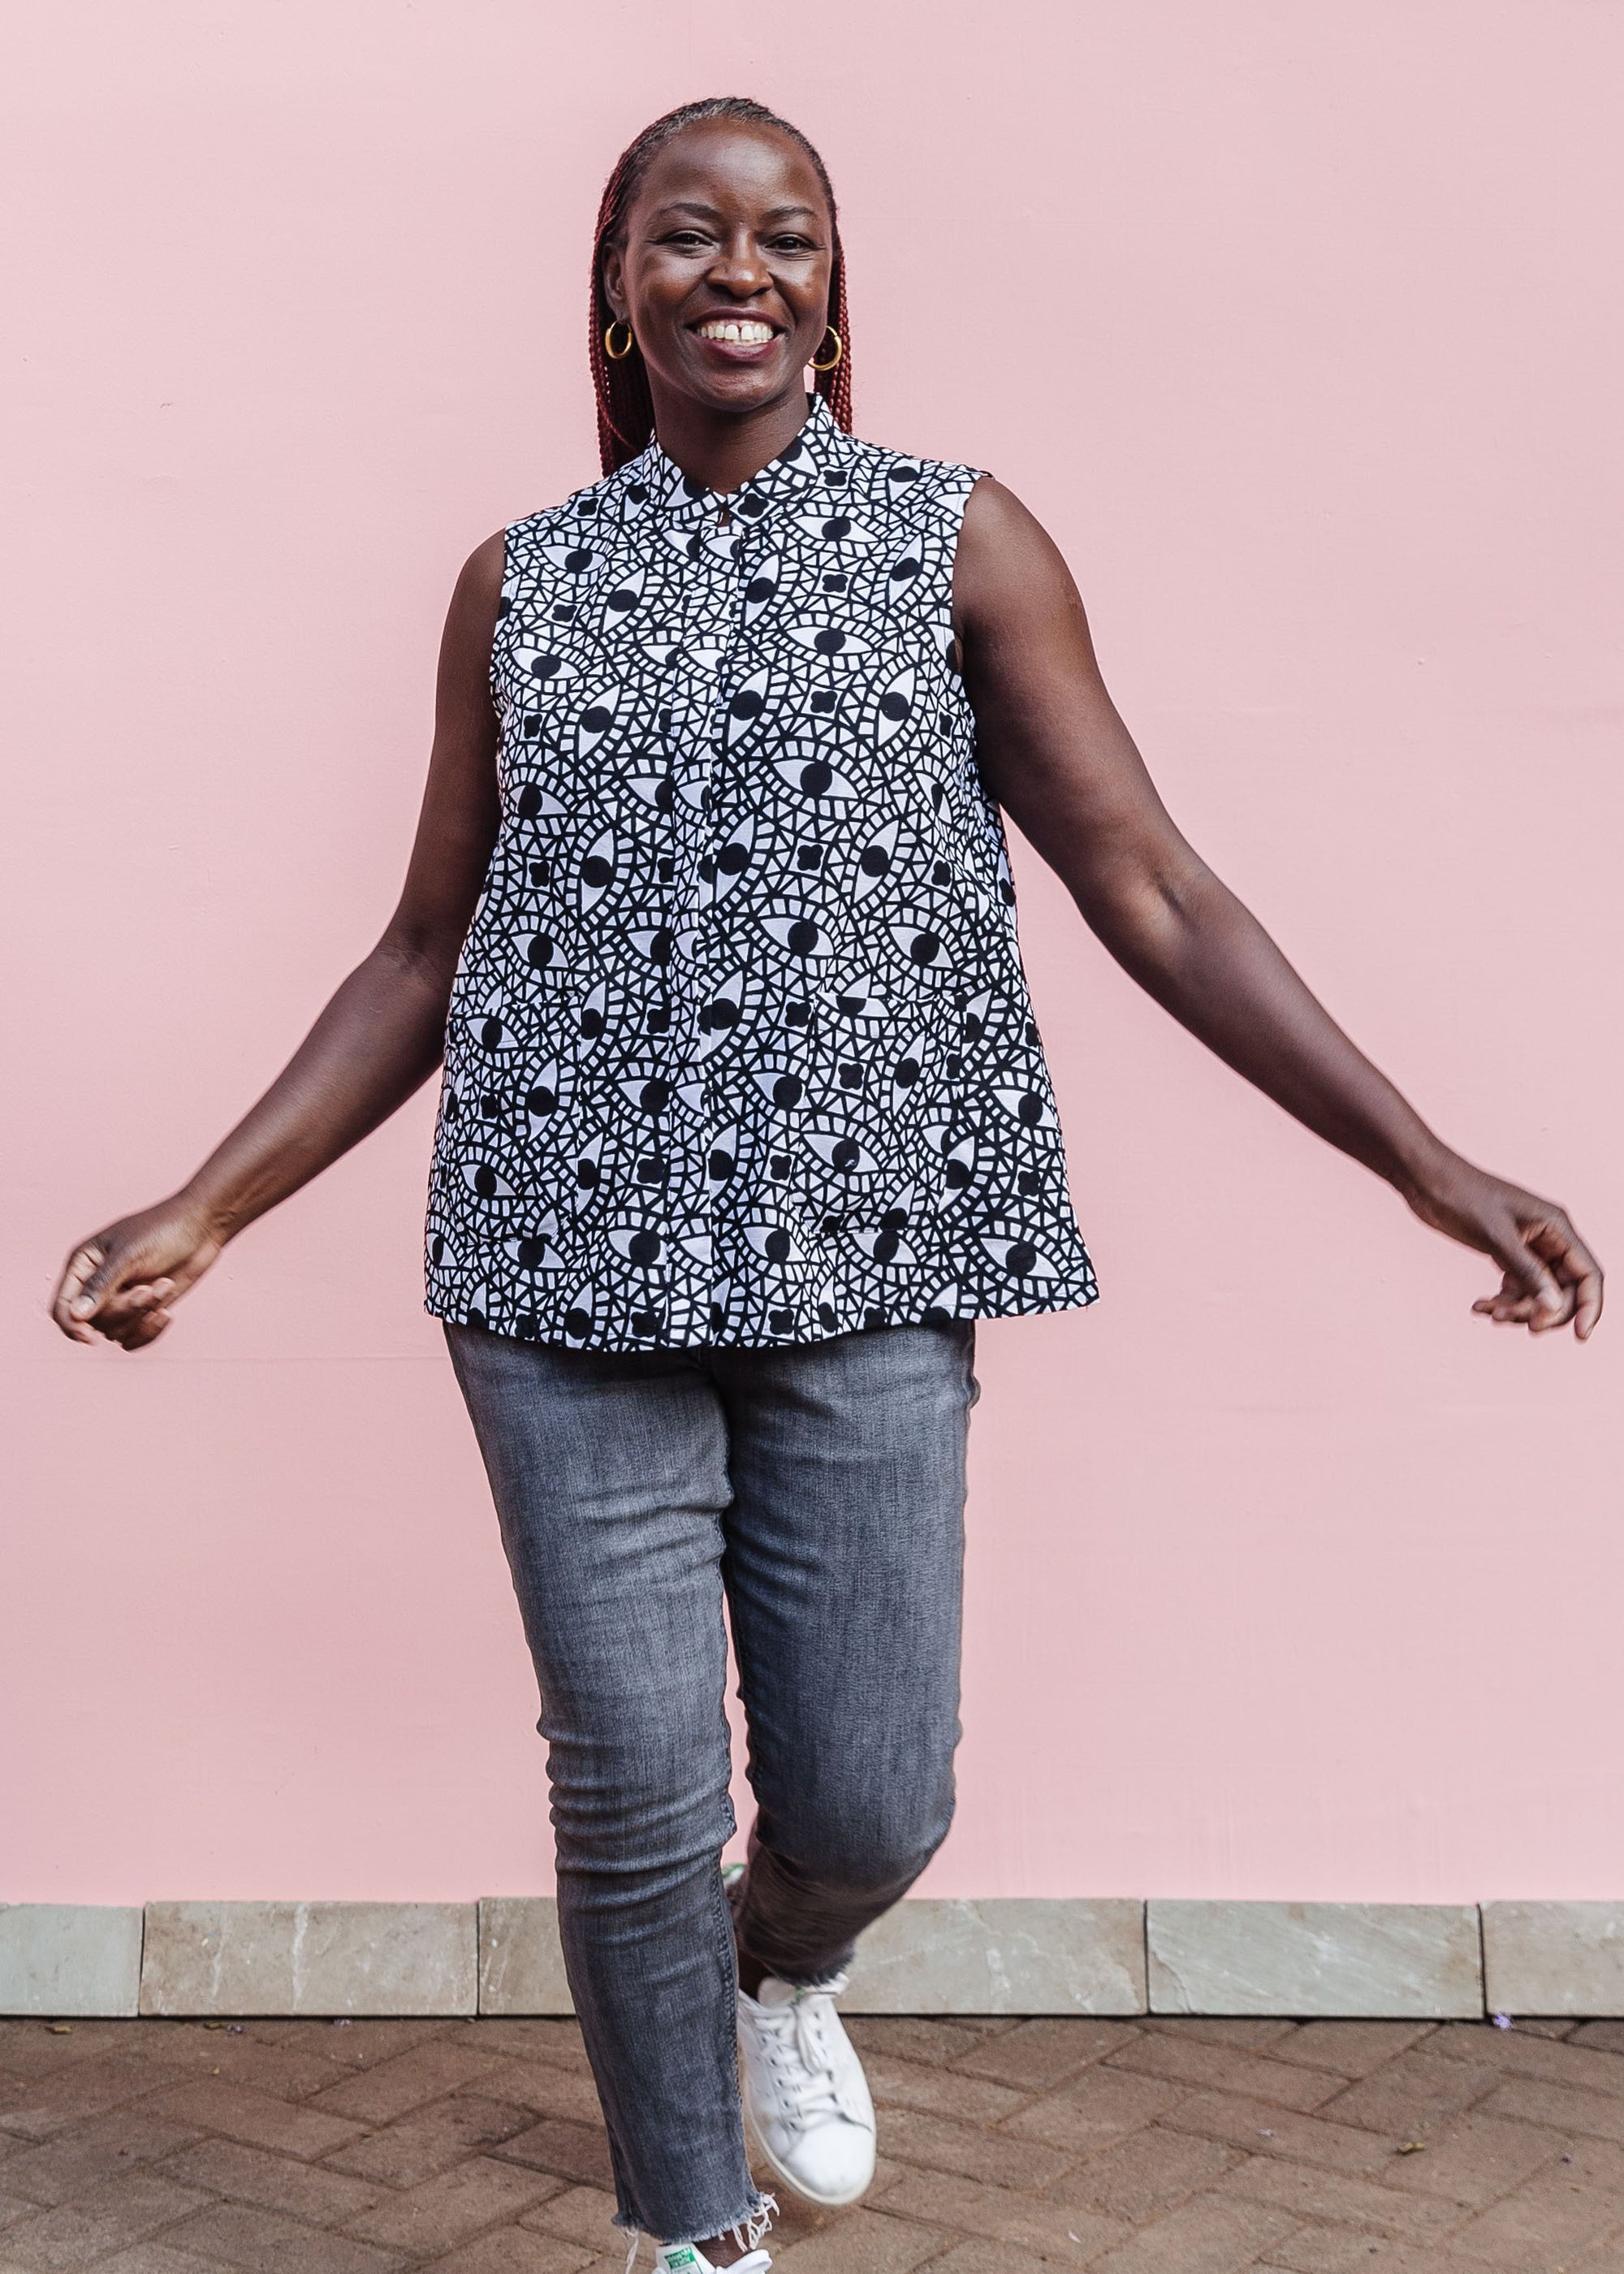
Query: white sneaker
806	2097
688	2258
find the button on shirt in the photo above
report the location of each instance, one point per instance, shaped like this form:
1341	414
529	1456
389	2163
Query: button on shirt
740	1049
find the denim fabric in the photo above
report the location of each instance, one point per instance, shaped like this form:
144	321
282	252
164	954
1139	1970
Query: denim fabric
820	1488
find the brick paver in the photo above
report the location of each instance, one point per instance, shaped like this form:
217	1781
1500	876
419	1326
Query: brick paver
1153	2146
431	2139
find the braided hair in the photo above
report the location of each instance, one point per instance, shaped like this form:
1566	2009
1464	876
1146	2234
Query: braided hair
625	407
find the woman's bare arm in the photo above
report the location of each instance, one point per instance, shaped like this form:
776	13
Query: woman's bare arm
1058	758
377	1040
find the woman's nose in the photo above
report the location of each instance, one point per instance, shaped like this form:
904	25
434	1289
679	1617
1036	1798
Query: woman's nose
740	268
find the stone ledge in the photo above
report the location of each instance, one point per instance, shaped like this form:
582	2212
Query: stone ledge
521	1964
1016	1955
61	1959
1555	1957
1010	1955
310	1958
1410	1962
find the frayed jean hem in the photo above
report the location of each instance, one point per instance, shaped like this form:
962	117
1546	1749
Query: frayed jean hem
759	2207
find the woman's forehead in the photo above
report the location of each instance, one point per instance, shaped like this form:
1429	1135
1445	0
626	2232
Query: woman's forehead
724	163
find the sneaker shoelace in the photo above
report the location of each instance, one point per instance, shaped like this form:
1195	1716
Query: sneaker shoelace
802	2055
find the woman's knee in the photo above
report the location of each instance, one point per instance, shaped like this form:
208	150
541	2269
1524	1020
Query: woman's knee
639	1808
876	1848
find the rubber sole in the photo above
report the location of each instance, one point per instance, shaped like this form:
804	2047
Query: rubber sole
753	2138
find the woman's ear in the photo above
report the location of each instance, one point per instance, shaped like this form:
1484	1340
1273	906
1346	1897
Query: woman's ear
614	282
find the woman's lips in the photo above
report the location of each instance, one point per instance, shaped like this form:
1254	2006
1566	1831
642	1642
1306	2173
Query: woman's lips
742	339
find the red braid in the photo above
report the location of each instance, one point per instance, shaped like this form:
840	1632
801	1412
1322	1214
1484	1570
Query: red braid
625	407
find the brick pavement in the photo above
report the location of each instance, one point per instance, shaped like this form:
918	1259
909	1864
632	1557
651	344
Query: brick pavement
1153	2146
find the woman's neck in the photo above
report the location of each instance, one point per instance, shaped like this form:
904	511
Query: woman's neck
723	449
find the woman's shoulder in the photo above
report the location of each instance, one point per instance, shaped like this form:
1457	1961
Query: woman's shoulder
615	498
906	480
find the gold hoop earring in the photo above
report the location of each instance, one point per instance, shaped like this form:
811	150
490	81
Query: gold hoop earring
615	354
830	333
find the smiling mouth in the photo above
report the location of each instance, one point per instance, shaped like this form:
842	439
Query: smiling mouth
736	331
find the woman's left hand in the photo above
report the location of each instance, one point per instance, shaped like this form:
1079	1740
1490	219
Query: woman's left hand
1551	1277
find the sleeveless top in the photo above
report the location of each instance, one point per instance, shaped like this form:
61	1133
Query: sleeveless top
740	1049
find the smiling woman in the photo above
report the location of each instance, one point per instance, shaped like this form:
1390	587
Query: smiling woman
799	226
745	1121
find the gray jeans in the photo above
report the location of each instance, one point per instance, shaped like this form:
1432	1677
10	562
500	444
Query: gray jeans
819	1488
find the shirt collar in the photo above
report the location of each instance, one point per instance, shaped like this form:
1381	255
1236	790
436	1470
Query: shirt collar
811	465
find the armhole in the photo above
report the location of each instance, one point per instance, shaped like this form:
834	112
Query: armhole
956	499
500	634
955	507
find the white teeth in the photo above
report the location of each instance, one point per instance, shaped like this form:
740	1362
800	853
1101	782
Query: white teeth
745	335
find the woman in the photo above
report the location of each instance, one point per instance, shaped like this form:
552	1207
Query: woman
745	1121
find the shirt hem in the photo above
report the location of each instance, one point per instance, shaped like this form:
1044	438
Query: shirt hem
931	1314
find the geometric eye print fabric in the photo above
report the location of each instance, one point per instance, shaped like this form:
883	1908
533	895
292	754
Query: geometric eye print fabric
740	1049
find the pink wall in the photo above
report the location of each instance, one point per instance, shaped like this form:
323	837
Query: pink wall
1300	327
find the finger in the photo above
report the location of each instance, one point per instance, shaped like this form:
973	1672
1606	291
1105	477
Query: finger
147	1329
1555	1239
101	1281
1508	1300
76	1330
68	1304
1508	1306
1527	1271
1576	1267
79	1268
1587	1304
1554	1306
122	1308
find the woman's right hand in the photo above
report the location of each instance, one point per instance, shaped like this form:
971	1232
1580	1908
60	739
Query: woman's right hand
123	1283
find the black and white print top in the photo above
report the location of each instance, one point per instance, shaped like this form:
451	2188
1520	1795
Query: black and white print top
740	1049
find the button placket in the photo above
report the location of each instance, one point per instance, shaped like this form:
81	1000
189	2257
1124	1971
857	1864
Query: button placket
751	543
665	1025
721	632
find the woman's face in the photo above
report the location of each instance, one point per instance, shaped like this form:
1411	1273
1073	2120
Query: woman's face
724	274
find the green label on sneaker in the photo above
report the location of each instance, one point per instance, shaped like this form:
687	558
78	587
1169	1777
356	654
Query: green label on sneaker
682	2257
